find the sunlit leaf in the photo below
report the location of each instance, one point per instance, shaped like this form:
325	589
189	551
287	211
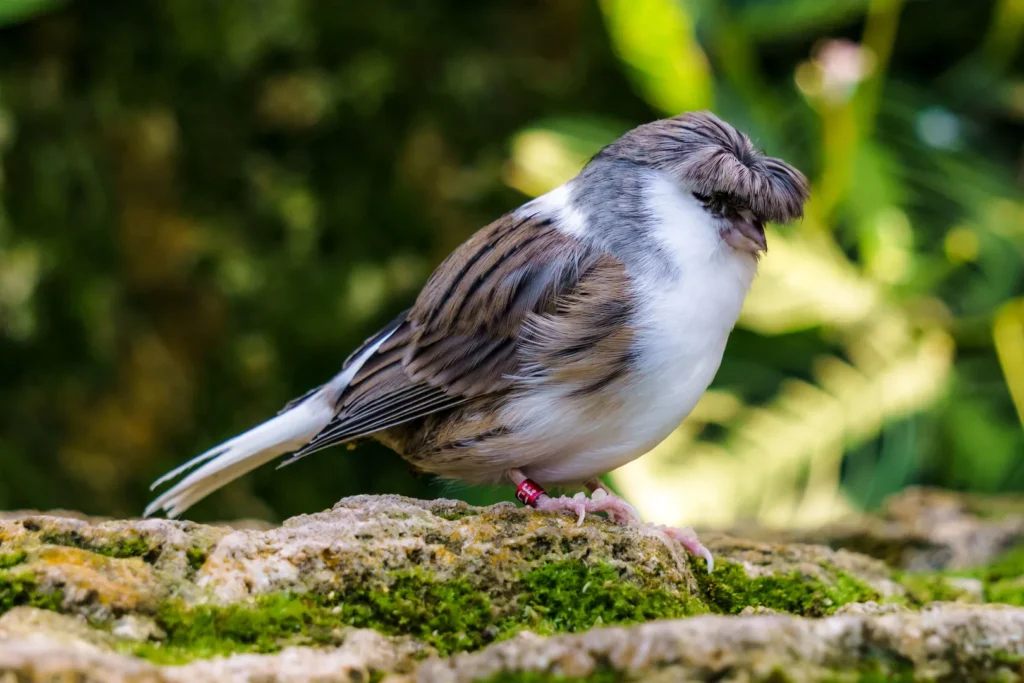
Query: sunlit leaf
801	284
1008	334
553	151
656	40
1005	32
13	11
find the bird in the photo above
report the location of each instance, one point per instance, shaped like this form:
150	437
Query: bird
561	341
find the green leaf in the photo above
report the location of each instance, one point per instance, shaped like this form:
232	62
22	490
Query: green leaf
13	11
766	20
985	447
655	38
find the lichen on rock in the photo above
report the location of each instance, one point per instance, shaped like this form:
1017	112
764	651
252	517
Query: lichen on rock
448	588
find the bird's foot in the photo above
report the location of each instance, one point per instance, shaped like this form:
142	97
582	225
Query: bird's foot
615	508
684	536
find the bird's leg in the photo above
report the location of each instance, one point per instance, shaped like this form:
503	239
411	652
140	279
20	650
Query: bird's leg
603	500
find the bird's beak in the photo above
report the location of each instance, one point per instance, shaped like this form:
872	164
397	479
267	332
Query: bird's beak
746	235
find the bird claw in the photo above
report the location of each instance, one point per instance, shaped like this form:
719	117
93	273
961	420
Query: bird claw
709	559
621	512
686	537
615	508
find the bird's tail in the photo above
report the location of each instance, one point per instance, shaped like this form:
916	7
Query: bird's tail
293	428
289	431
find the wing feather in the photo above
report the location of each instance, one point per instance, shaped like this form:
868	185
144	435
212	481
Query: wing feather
460	339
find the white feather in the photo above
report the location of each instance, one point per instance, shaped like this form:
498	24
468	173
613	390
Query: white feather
287	432
684	320
558	205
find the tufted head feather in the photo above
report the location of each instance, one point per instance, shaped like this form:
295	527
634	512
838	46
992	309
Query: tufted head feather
714	158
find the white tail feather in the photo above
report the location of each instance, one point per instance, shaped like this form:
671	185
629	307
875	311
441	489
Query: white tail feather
285	433
289	431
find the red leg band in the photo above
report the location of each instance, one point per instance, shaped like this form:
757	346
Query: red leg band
528	492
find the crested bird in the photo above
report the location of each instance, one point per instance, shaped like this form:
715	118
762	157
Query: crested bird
559	342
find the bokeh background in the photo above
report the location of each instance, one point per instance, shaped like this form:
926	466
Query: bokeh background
204	206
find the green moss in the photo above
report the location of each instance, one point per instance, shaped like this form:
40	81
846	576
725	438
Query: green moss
123	547
871	675
1009	565
873	670
730	589
451	616
1010	592
264	626
65	538
8	560
884	668
132	546
571	597
875	667
23	589
196	557
453	514
1010	664
1002	580
1005	658
925	588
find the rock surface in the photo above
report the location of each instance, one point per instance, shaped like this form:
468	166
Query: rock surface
928	529
389	588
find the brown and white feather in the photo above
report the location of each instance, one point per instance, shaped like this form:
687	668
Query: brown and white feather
462	339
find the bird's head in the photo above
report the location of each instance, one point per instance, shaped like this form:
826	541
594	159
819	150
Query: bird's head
739	186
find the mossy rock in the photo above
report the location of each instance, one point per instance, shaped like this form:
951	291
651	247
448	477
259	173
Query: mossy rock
430	580
922	529
963	643
453	577
800	579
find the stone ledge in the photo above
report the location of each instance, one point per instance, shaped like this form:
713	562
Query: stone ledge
390	586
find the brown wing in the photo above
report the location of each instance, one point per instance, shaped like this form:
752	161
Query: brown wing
459	341
586	343
584	348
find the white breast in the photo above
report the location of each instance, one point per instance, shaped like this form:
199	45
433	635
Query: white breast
685	315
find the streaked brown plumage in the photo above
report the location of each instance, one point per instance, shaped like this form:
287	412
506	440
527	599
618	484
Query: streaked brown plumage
518	303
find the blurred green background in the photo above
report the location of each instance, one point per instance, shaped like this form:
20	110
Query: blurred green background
204	206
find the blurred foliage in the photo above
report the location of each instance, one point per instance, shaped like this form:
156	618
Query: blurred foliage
206	206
